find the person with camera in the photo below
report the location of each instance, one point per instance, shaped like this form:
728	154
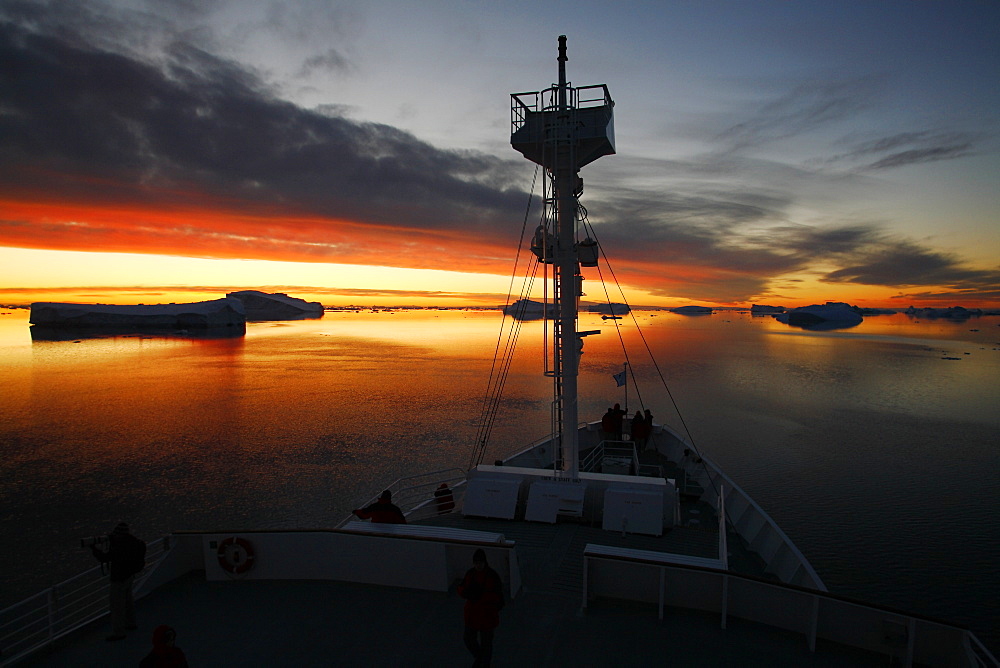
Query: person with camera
126	557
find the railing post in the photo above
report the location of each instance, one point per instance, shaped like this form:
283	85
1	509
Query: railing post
663	587
911	632
725	600
814	624
723	543
50	604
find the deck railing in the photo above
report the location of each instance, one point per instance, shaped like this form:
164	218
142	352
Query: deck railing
38	620
818	615
611	452
415	494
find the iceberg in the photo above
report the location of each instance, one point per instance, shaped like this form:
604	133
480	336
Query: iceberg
528	309
692	310
276	306
832	315
951	313
610	309
216	313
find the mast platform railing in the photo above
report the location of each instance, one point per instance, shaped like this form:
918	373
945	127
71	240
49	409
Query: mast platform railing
584	97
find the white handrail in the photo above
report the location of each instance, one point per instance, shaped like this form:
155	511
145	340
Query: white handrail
38	620
409	495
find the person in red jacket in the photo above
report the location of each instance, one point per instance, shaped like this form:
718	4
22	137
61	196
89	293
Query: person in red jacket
444	498
383	511
164	653
483	593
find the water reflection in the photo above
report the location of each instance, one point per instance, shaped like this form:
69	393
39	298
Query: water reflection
822	326
291	424
46	333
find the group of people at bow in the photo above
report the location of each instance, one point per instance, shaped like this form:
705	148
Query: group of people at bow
640	427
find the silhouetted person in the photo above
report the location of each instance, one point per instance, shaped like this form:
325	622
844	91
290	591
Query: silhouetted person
126	556
618	421
483	593
639	431
649	425
382	511
444	498
608	425
164	653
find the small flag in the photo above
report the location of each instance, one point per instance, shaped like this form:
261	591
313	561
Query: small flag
619	378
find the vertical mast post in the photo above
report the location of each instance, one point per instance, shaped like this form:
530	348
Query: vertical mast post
562	131
566	268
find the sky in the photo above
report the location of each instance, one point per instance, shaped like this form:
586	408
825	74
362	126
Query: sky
358	152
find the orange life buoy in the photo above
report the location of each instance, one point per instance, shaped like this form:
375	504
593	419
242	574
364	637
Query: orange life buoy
236	555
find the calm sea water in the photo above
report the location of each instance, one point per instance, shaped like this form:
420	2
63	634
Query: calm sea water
876	454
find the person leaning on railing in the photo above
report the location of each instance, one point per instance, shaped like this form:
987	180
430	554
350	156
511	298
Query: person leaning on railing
126	557
382	511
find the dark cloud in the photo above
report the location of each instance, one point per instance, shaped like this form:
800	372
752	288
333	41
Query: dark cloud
807	107
907	265
331	60
908	148
815	105
915	156
955	297
198	122
93	110
867	255
742	252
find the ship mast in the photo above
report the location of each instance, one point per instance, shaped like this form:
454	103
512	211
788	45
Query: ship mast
562	129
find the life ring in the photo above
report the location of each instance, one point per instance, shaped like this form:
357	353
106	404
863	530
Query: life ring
236	555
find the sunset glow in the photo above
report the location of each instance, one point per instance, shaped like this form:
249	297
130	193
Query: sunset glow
778	158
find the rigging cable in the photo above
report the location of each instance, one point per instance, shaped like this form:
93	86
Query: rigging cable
687	431
498	377
656	366
589	230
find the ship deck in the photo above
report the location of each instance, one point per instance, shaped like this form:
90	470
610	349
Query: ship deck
321	623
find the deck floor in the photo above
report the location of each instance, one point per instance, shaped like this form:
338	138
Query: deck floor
551	556
321	623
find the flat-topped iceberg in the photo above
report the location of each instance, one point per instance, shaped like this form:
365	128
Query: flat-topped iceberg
529	309
831	315
196	315
692	310
276	306
951	313
613	308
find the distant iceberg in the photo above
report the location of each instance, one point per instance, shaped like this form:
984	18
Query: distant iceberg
276	306
831	315
217	313
610	309
528	309
765	309
951	313
692	310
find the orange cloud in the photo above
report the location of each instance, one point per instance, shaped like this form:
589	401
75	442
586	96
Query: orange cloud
232	234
